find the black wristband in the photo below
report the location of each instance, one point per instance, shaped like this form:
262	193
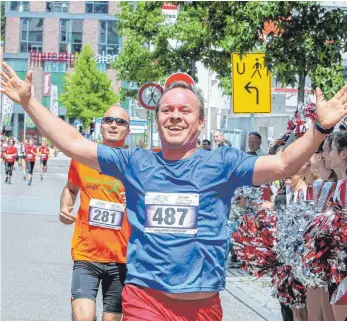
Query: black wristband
322	129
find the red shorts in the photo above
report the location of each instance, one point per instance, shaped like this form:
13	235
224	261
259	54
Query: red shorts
142	304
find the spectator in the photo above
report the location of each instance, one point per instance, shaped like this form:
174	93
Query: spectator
80	129
92	128
254	142
219	139
206	144
198	143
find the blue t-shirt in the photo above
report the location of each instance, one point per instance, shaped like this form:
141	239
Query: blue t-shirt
179	212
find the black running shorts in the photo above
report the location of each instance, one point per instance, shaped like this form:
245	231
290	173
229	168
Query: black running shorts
87	276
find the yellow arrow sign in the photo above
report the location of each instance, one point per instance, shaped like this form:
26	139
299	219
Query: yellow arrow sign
251	84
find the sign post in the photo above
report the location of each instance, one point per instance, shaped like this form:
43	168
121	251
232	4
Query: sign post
251	84
149	95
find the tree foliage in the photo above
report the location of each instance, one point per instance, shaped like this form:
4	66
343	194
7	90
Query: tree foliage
87	92
307	41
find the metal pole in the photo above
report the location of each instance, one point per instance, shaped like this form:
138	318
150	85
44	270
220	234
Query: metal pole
252	122
130	107
148	132
151	141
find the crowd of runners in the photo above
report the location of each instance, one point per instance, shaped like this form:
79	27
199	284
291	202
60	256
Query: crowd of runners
25	154
153	228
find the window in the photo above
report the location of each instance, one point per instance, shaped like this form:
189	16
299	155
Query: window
70	36
101	67
109	40
54	66
18	65
96	6
19	6
57	6
31	34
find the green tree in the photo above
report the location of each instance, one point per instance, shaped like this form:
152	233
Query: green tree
308	42
2	20
87	92
153	49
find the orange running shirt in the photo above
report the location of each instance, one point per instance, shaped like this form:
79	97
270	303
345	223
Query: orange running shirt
96	238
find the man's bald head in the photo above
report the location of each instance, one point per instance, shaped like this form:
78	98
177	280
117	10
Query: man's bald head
117	111
114	132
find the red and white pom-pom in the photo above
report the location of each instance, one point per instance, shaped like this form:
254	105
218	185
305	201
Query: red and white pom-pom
289	290
326	246
254	243
302	119
310	111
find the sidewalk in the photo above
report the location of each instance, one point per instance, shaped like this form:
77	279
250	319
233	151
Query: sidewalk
254	293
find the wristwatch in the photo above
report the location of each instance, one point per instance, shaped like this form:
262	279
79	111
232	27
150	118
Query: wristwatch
322	129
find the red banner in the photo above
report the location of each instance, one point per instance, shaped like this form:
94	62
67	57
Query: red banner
46	84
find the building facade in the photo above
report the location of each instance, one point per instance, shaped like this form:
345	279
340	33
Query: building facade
45	36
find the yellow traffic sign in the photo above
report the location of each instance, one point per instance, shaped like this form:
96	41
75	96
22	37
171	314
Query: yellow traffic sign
251	84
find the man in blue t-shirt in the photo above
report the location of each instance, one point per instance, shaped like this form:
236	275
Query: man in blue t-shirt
178	200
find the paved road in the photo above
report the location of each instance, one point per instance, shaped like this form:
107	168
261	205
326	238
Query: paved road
35	252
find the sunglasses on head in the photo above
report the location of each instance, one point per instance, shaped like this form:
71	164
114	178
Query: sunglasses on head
119	121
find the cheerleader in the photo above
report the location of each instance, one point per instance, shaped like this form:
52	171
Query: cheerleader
338	162
318	305
300	188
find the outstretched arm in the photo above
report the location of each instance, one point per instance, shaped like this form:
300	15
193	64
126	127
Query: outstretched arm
64	136
271	168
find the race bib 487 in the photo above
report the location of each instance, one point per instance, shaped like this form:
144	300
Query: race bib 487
171	213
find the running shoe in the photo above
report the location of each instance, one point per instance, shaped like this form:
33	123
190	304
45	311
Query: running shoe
9	182
29	182
41	178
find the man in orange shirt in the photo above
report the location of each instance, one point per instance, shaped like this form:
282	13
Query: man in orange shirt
100	239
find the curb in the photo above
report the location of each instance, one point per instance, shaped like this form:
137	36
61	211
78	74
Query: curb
250	303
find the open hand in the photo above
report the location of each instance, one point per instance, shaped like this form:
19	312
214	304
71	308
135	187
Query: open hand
12	86
329	113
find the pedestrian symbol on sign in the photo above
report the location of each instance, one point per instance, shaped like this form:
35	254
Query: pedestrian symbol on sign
149	95
152	96
257	67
